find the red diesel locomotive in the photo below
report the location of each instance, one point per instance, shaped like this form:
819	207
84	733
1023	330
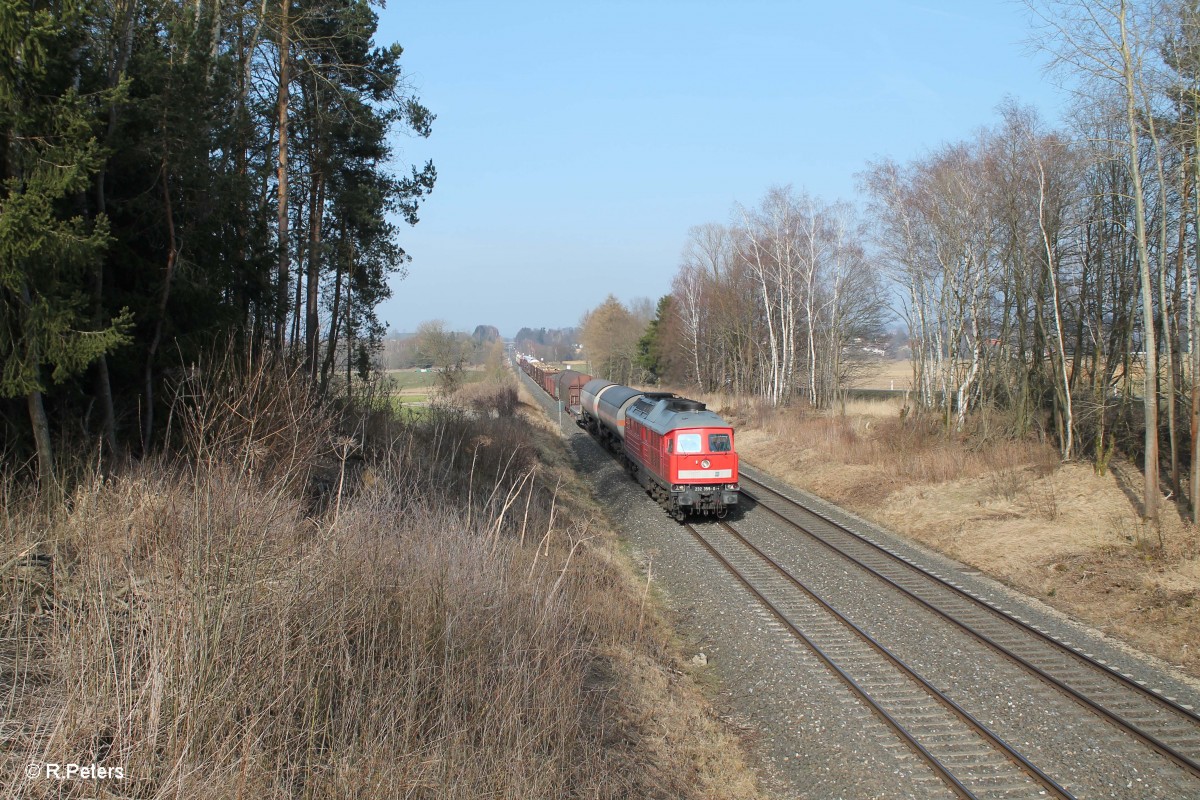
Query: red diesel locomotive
682	454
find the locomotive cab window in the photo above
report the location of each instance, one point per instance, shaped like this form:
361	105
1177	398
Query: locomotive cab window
688	442
718	443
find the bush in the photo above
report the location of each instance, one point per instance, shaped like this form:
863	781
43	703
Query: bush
259	414
494	397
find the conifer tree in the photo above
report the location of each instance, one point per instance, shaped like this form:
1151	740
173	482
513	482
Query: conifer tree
46	249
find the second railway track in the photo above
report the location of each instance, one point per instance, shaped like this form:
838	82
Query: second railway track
970	759
1150	716
1129	705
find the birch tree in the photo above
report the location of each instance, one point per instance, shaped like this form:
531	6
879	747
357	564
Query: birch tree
1108	41
769	249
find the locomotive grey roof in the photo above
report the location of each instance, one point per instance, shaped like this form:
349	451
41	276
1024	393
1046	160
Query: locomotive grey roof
664	412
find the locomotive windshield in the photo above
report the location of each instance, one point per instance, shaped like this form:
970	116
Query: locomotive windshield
718	443
688	442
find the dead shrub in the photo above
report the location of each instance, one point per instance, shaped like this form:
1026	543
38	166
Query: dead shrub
1044	500
914	448
259	413
491	397
910	434
1007	483
366	659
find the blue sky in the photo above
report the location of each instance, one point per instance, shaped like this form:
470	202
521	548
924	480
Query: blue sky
576	142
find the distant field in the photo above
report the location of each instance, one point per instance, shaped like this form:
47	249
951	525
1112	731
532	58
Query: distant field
884	374
415	381
401	380
410	407
897	376
400	399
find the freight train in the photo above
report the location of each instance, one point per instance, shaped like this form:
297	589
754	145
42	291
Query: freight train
681	453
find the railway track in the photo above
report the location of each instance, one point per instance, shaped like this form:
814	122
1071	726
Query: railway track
1148	715
972	760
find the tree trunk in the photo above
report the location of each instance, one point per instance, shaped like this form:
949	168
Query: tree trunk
41	436
349	328
108	426
1194	325
1164	311
47	483
282	180
1067	441
123	39
331	345
1169	364
1150	368
311	320
164	297
298	295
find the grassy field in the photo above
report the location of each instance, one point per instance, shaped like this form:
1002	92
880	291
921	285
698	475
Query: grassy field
401	380
402	399
894	375
409	383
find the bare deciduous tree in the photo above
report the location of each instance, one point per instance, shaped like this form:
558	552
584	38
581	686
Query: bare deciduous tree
1110	42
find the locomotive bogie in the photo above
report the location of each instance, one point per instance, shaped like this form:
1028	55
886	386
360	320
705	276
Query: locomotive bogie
681	500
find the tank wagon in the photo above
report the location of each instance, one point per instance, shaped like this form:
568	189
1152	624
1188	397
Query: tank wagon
681	453
603	405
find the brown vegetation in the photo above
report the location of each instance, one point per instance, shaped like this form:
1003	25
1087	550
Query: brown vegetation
422	610
609	334
494	396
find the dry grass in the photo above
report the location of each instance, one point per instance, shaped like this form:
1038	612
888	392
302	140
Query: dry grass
913	450
410	610
496	396
883	373
1009	508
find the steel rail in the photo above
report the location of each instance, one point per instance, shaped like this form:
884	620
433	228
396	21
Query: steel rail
938	767
978	727
1164	749
1043	636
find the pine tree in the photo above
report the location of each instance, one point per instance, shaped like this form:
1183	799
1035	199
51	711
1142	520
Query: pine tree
46	250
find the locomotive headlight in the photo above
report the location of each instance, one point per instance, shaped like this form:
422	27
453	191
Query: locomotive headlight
705	463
